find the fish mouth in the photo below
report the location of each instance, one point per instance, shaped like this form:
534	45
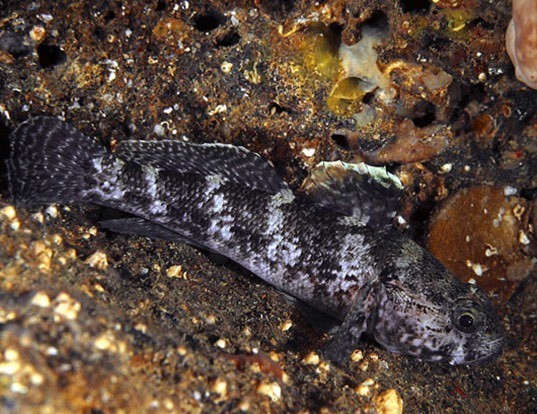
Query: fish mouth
494	347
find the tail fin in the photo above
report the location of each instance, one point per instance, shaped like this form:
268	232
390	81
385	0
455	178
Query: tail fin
50	162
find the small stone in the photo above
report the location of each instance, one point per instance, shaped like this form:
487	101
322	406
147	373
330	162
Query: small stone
9	368
364	389
210	319
389	402
141	327
11	354
66	307
159	130
509	191
38	33
226	67
244	405
15	225
98	260
18	388
324	366
9	212
36	378
218	109
104	342
219	386
286	325
43	254
357	355
38	217
52	211
7	316
174	271
41	299
523	238
168	404
312	359
270	389
308	152
221	343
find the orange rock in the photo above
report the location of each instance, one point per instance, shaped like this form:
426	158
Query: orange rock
483	235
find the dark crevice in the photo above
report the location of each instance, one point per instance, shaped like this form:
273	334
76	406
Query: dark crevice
276	109
230	39
425	114
209	21
378	20
111	15
100	34
335	30
161	5
368	97
50	55
277	8
479	22
341	141
415	6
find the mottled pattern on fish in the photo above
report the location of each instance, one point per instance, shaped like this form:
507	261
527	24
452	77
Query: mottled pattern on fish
374	279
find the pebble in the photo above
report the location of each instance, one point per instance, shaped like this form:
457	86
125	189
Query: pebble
43	254
286	325
66	307
9	212
312	359
364	389
219	386
226	67
270	389
357	356
98	260
221	343
389	402
41	299
174	271
52	211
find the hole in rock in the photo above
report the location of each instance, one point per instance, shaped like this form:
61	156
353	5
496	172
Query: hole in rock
415	5
50	55
209	21
230	39
341	141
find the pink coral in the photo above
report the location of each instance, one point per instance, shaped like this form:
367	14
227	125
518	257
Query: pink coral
521	41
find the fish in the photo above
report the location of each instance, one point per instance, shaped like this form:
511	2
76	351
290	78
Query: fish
329	244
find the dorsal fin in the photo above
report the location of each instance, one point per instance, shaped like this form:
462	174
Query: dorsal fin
236	164
370	194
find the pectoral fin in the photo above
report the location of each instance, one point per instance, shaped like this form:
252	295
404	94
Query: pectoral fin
370	194
347	336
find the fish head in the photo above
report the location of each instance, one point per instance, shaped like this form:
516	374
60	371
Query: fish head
424	311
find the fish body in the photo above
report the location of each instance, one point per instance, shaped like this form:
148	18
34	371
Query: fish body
230	201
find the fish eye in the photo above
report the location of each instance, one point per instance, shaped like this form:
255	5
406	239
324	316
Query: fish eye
466	322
